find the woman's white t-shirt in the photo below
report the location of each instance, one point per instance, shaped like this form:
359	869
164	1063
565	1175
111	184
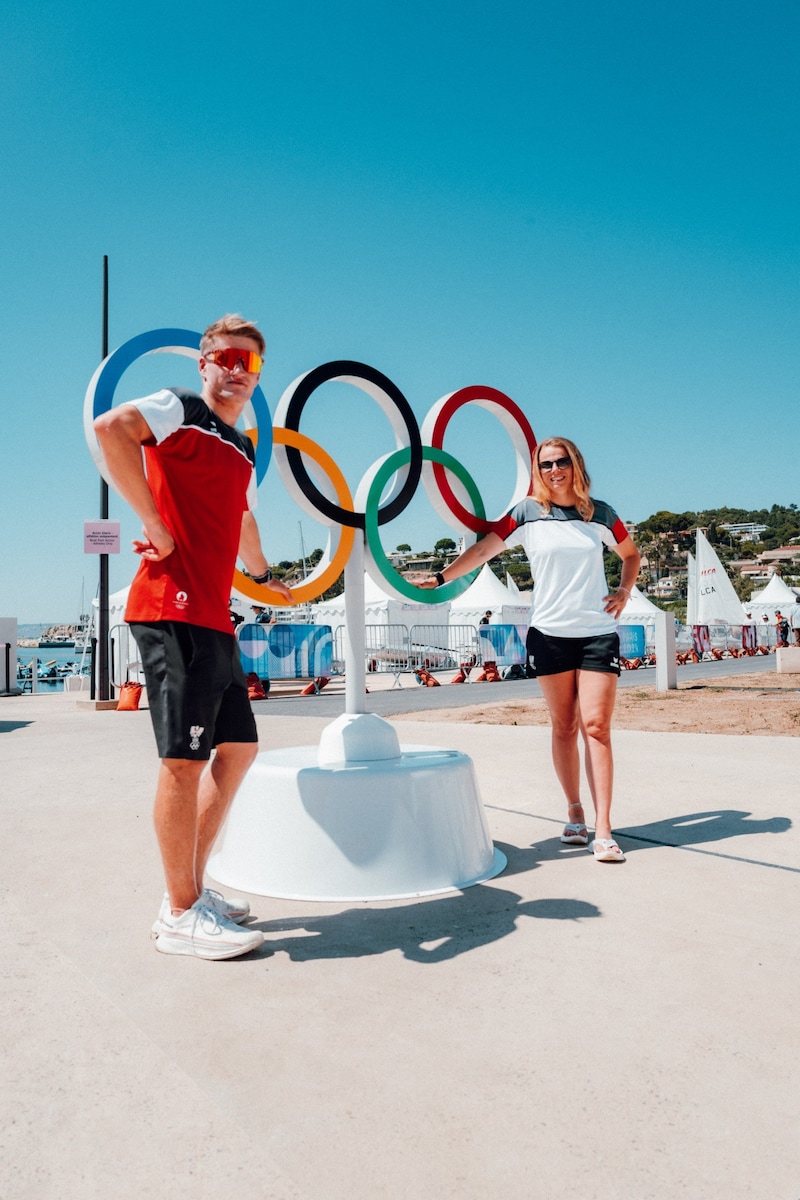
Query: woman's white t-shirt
566	557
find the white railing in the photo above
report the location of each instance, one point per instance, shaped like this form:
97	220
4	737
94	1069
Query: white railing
397	650
124	663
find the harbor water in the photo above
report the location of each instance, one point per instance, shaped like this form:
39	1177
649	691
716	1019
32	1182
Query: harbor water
51	664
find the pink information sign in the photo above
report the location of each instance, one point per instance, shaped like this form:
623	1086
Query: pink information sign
101	537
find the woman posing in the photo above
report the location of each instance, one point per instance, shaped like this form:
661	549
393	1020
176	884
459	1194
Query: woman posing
572	644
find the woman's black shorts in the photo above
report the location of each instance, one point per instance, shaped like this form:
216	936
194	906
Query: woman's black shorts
196	688
548	655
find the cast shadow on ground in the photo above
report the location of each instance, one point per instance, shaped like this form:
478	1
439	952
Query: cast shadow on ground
10	726
694	829
427	931
690	830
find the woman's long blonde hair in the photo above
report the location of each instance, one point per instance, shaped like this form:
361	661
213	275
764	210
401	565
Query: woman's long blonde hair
580	478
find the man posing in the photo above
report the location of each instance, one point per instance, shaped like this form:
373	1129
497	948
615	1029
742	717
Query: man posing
189	475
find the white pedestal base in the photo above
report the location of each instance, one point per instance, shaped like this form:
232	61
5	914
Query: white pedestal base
788	660
386	829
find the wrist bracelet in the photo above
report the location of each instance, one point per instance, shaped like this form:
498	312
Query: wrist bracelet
627	591
265	578
439	577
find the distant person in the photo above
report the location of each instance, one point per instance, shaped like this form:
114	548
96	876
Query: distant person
195	501
486	618
236	617
262	615
782	626
794	618
572	644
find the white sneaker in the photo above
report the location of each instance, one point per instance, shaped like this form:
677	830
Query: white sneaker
203	933
234	909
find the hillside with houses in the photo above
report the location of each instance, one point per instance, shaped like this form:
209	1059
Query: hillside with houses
752	546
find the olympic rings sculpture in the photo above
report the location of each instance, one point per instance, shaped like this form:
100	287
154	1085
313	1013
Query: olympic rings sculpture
315	482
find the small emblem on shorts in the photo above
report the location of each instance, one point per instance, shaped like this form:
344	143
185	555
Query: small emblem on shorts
532	662
195	731
615	662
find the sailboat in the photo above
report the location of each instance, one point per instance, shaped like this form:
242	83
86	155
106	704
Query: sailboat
712	599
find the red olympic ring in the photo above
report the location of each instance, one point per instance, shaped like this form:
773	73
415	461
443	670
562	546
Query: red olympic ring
435	477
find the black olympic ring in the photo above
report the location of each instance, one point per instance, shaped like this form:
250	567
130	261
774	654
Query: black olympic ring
345	371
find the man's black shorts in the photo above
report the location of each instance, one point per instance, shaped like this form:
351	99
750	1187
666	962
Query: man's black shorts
196	688
548	655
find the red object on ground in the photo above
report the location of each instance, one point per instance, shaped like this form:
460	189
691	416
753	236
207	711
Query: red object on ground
255	689
129	697
316	686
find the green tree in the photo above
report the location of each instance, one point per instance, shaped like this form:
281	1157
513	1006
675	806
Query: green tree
667	522
444	546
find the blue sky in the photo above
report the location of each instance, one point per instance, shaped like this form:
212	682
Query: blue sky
592	206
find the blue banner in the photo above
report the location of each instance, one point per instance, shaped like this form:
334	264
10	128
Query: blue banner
286	651
631	641
502	644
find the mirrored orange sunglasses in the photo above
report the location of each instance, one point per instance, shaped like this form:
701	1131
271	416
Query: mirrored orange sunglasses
230	356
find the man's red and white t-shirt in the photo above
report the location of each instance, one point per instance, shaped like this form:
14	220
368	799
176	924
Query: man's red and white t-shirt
201	473
566	557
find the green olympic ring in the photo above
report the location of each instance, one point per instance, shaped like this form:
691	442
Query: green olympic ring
390	464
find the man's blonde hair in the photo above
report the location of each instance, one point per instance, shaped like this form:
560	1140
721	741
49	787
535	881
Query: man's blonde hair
580	478
232	325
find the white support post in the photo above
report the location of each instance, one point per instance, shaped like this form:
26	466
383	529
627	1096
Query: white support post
666	664
355	666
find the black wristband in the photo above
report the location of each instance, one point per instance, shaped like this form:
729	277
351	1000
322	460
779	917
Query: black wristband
439	577
265	578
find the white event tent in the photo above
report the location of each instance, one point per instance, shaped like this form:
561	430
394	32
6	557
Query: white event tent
488	593
639	610
776	595
380	608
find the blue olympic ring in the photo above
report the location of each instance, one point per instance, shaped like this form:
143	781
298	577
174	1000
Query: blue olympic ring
103	385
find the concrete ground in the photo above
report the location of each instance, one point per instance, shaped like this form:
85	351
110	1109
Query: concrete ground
568	1031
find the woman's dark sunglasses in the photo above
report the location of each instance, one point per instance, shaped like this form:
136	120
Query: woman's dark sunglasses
561	463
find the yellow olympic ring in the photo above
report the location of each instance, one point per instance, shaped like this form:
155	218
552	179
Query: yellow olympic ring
319	580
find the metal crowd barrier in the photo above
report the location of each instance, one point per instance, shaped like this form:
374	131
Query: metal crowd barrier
717	638
396	649
387	650
444	647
